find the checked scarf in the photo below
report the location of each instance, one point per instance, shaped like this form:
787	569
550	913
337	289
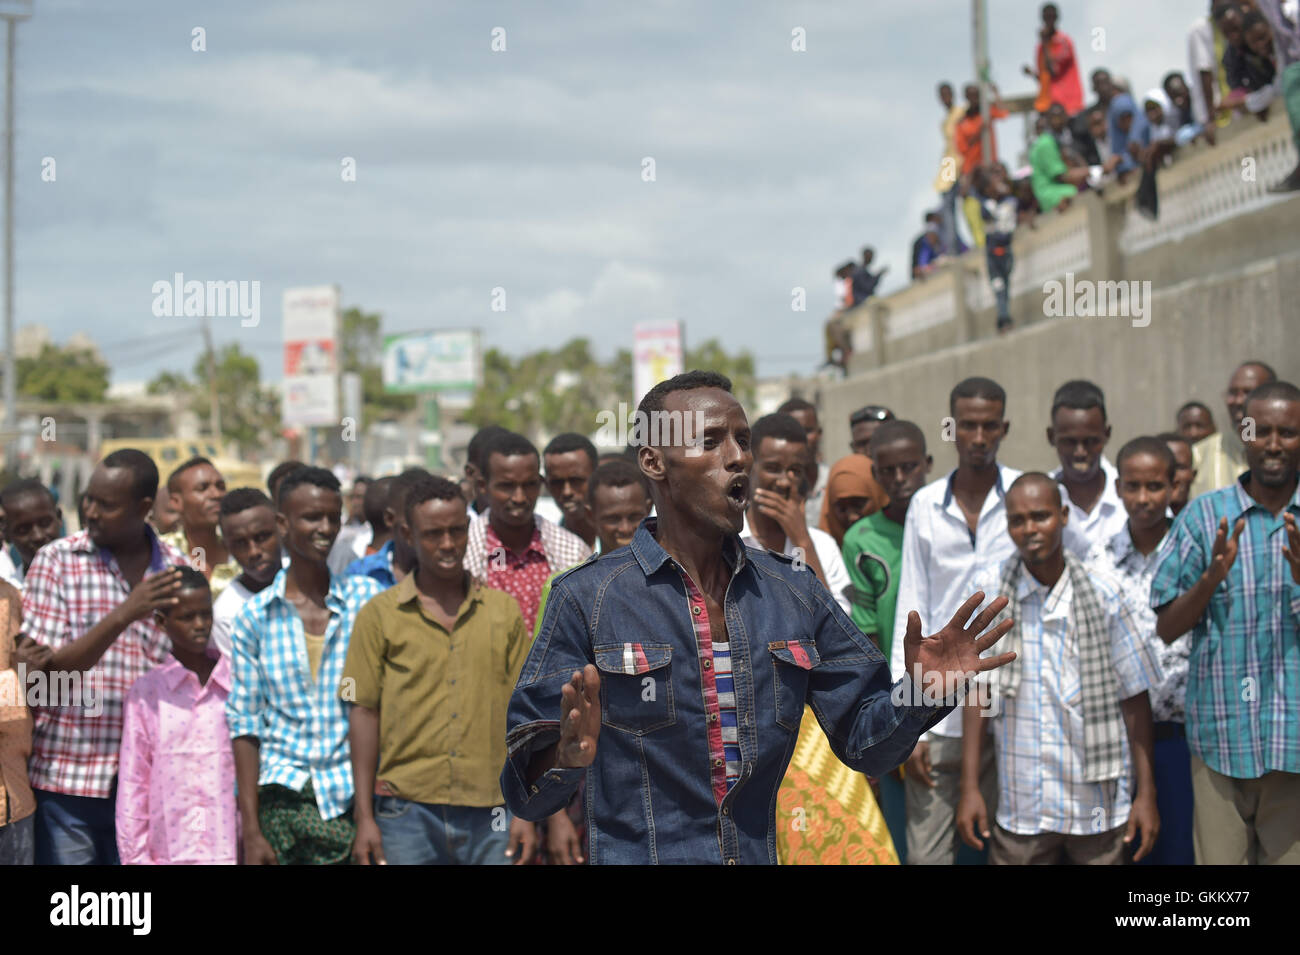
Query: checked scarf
1103	724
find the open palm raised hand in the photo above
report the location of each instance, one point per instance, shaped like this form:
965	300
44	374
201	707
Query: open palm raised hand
950	657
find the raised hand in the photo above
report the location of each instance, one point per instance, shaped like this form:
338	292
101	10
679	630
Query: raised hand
952	655
1224	553
152	593
1291	550
579	720
786	511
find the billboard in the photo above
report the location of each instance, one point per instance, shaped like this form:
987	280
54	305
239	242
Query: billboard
311	325
657	354
448	360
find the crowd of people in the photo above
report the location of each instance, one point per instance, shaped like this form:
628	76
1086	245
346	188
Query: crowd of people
1242	57
439	674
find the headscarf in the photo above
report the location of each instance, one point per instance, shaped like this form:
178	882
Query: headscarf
850	476
1139	131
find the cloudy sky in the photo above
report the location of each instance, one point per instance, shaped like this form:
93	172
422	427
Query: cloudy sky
519	169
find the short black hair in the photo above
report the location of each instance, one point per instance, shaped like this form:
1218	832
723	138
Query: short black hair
945	85
424	487
192	579
1274	390
1079	395
362	479
891	431
779	426
243	499
1194	404
474	451
1169	77
1266	368
374	502
1036	477
686	381
1154	446
1169	437
144	473
317	477
870	413
572	441
193	462
22	487
279	472
508	445
791	405
618	472
868	251
985	389
399	488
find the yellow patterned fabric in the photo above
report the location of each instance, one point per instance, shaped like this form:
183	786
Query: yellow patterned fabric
825	812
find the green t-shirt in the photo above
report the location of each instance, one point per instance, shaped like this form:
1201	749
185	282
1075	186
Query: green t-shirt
873	553
1045	159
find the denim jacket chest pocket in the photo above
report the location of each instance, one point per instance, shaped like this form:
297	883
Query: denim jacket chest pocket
636	686
792	664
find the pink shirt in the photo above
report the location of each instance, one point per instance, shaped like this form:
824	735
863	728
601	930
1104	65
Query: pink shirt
176	782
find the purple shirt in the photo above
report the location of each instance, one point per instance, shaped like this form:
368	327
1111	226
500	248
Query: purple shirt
176	781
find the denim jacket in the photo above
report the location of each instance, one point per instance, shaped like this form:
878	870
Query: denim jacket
651	792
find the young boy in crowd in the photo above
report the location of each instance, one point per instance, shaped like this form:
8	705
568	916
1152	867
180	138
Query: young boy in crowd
429	673
1071	718
17	804
176	775
1184	470
1146	484
32	519
248	528
999	207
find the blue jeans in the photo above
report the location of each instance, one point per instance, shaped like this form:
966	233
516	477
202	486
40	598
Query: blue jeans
1000	278
75	830
18	842
1173	770
418	833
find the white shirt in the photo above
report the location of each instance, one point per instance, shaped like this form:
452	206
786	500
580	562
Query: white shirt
9	571
1086	531
828	555
224	610
1201	58
940	561
350	545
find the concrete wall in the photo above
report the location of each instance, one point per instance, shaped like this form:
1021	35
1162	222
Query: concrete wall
1223	263
1199	331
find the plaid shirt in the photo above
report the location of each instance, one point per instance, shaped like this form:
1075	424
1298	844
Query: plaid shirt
1039	734
1243	681
70	587
300	722
552	549
1134	572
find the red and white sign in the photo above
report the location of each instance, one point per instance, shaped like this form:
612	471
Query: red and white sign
311	321
657	354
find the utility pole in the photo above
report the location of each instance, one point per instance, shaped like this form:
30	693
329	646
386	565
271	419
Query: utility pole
980	31
12	13
214	407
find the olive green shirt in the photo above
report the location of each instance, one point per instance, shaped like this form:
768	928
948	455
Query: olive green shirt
441	696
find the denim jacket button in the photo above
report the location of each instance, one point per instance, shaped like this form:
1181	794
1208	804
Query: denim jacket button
731	862
713	717
708	664
695	610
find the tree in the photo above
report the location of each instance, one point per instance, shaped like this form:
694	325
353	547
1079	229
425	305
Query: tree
64	374
361	350
250	413
548	392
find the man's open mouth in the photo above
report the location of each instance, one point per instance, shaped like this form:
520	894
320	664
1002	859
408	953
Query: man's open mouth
738	491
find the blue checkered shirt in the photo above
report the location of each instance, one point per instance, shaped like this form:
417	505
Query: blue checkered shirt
300	722
1038	734
1134	572
1243	683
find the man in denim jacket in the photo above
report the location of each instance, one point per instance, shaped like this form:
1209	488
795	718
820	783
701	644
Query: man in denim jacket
690	659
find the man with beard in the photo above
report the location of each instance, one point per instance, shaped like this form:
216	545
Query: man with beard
287	722
1229	572
690	659
90	599
1220	458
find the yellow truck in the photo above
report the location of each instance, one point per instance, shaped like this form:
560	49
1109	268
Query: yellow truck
167	453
